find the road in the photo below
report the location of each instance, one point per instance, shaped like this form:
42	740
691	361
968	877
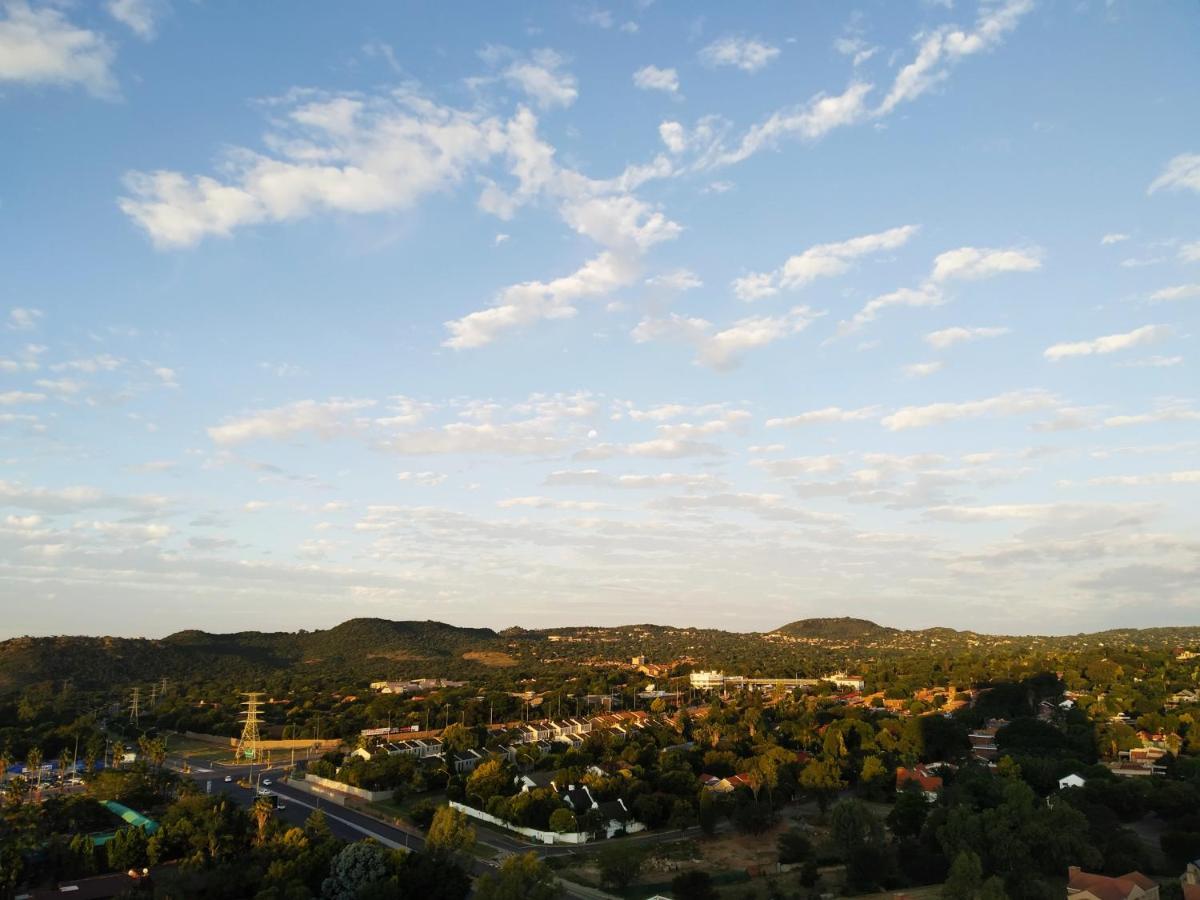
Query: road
296	805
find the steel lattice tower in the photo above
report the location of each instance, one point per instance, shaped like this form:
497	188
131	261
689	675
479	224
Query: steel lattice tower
134	707
247	746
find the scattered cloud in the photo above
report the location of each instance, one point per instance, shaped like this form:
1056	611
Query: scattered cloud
652	78
1181	173
820	261
724	349
141	16
1176	292
825	416
40	46
1111	343
1009	404
920	370
975	263
747	54
948	337
1114	238
324	419
23	318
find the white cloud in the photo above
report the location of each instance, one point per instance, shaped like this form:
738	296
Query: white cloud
20	398
810	121
542	79
945	46
800	465
1181	173
1111	343
948	337
974	263
652	78
1154	362
679	280
925	295
532	301
551	503
1190	252
141	16
40	46
747	54
820	261
856	48
1114	238
326	419
1191	476
1167	412
723	350
920	370
656	448
333	153
1177	292
596	478
425	479
1009	404
22	318
825	416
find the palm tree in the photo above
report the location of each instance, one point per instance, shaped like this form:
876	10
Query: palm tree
33	760
262	811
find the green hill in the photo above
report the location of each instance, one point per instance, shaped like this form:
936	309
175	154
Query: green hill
837	629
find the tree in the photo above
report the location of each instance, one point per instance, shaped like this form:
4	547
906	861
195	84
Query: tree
357	866
458	738
490	778
907	817
563	820
33	760
522	877
620	864
127	849
450	831
853	825
965	878
794	847
693	885
261	812
823	779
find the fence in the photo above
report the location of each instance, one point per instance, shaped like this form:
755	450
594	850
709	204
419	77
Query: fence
546	837
361	793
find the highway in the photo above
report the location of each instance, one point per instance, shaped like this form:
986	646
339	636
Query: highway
296	805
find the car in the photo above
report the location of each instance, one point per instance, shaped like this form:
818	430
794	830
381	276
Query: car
266	781
228	779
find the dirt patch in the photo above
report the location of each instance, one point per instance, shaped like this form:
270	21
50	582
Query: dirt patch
493	658
396	655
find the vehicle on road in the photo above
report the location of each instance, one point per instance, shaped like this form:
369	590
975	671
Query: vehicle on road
266	781
228	779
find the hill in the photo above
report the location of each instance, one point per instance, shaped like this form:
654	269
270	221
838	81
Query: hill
837	629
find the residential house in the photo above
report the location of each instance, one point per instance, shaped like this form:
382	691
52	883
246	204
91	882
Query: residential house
724	785
533	780
1083	885
920	775
1190	881
466	760
1186	697
983	740
1070	781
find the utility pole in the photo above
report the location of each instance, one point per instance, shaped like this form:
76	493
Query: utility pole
248	743
134	708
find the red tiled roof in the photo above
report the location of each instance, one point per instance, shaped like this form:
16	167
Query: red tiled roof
1107	888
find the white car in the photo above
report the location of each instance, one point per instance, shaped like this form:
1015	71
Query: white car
228	779
266	781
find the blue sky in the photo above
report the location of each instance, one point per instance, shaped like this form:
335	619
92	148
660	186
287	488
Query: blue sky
684	313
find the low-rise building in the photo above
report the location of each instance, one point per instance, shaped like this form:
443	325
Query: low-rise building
1083	885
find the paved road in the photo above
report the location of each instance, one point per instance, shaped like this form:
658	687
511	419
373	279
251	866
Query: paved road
296	805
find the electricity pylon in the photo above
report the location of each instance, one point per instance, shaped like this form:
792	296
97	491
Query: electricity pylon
247	746
134	707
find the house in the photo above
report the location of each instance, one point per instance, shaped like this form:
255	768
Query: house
1185	697
983	740
1190	881
1083	885
466	760
578	798
1070	781
531	780
724	785
922	777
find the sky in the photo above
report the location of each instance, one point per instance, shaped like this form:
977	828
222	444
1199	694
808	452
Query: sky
699	314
